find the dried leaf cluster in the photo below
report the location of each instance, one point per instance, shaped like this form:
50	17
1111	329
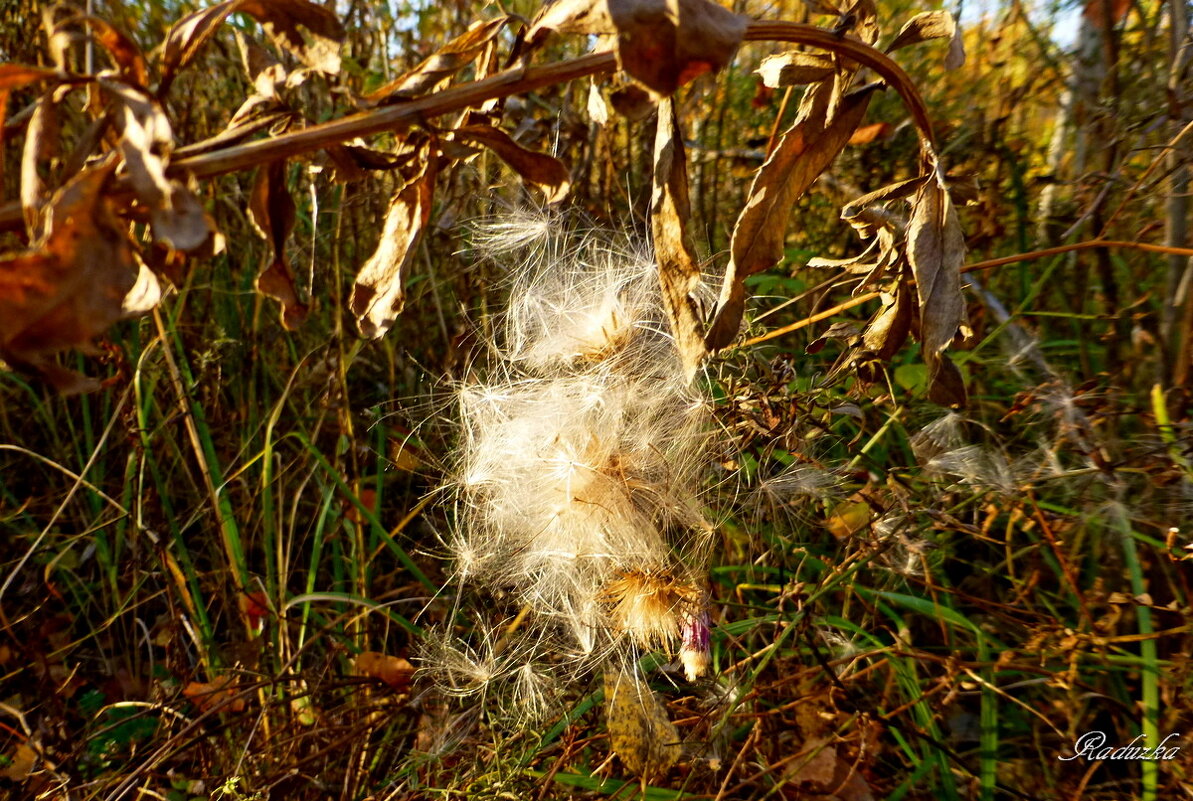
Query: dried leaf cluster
662	45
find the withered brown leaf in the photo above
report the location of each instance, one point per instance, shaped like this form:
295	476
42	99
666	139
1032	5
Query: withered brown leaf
220	694
391	670
442	64
889	329
81	277
379	291
803	152
546	172
923	27
283	20
124	51
794	67
272	213
41	143
666	43
146	140
669	213
936	251
598	110
640	733
661	43
895	191
186	38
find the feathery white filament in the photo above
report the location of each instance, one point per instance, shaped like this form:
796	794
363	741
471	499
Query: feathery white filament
581	449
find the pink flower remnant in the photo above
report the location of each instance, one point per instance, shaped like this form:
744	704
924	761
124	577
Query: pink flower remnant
694	640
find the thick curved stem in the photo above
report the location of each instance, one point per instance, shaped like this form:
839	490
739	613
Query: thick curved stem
511	82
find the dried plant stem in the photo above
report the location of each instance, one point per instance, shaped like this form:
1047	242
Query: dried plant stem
1088	244
513	81
815	318
969	268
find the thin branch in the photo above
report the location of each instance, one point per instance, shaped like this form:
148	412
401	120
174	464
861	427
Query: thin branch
969	268
400	116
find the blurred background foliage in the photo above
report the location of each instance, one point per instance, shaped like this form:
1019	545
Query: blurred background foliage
195	558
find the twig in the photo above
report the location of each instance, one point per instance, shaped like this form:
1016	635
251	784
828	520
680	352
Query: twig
504	84
969	268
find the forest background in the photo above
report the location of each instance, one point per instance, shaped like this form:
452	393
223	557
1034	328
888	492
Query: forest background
222	545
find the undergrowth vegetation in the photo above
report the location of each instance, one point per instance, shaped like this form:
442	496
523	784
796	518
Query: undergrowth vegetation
239	567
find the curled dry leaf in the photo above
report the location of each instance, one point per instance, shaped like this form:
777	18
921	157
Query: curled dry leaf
146	140
598	111
640	733
669	213
218	694
379	291
895	191
392	670
546	172
124	51
271	211
318	47
868	133
936	251
80	278
932	25
283	20
794	67
923	27
354	163
16	76
887	332
442	64
861	20
803	152
589	17
187	37
820	769
662	43
632	102
41	144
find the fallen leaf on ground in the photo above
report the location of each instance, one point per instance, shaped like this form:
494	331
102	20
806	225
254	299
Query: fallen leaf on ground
640	733
392	670
214	695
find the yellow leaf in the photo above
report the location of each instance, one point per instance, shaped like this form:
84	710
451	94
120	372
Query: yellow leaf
640	732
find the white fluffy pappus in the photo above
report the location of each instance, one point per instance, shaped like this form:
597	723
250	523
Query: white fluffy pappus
580	457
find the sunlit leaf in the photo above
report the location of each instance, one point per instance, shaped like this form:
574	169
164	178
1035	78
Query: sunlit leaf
803	152
146	140
379	292
662	43
442	64
669	212
283	20
41	144
391	670
936	251
795	67
546	172
640	733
